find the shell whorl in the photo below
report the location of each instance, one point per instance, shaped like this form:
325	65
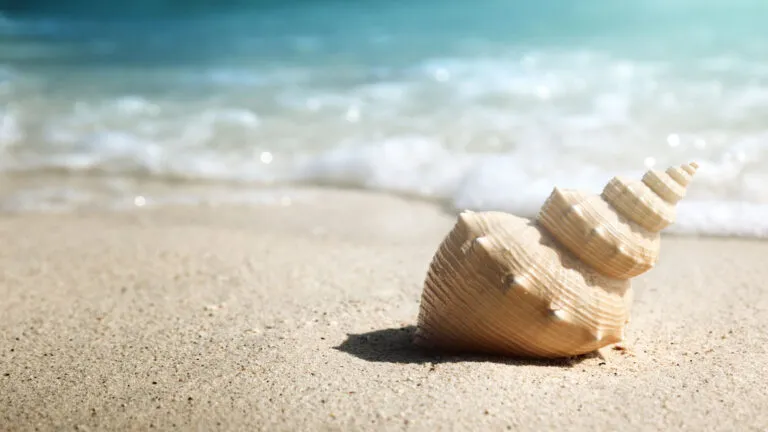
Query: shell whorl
476	298
617	232
555	286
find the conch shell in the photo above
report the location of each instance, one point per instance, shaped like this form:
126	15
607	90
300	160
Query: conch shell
556	286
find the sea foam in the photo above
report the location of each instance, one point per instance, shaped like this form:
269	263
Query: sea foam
473	122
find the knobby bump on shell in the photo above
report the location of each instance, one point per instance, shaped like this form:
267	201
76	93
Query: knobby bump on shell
555	286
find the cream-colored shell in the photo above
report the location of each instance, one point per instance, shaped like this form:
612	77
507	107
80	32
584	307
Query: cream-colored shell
555	286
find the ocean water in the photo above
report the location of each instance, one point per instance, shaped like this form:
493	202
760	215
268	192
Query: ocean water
483	105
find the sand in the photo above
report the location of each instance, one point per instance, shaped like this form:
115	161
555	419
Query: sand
299	317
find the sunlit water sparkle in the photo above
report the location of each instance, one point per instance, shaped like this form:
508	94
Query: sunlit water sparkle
485	106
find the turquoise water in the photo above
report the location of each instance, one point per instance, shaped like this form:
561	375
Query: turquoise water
484	104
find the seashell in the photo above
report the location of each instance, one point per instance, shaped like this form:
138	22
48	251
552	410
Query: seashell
555	286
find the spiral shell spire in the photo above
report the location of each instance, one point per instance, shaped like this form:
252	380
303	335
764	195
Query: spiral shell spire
554	286
616	233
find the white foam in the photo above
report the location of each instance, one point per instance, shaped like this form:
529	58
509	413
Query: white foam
722	218
10	130
494	186
411	164
496	132
516	182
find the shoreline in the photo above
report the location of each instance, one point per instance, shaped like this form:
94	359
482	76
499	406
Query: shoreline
128	194
299	317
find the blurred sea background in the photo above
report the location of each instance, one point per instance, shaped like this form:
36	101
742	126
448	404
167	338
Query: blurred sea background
482	104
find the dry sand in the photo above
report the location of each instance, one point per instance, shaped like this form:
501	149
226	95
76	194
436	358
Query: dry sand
299	318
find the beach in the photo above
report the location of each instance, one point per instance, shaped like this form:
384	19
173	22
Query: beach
298	315
219	216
